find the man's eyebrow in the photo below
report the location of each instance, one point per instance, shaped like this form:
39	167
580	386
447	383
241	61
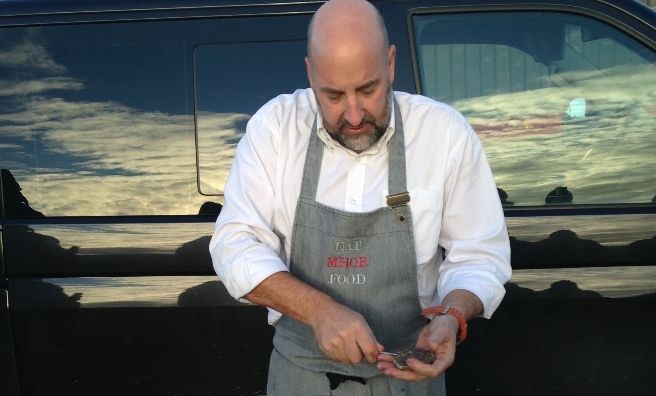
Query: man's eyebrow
368	84
331	91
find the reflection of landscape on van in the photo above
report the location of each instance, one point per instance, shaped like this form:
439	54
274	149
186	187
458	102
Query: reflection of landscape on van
221	123
76	149
218	135
118	160
99	120
558	101
606	156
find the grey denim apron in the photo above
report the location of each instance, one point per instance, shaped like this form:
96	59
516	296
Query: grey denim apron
365	261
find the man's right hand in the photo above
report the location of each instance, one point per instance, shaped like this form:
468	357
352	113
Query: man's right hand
343	334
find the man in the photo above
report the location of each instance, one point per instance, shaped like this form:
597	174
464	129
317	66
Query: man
349	209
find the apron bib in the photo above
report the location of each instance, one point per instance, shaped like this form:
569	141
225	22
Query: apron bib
365	261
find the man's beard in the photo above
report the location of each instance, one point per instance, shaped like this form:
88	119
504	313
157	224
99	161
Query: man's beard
375	128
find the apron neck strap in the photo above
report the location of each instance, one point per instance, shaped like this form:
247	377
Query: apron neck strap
396	180
396	162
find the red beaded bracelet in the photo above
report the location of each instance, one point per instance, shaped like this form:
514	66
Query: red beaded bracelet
447	310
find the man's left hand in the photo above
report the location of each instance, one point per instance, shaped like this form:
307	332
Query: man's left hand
440	337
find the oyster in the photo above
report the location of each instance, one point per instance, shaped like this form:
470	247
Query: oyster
423	355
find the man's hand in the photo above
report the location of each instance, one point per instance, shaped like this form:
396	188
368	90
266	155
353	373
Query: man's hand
440	337
343	335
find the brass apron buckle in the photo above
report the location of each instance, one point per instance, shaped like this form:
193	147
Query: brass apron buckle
397	201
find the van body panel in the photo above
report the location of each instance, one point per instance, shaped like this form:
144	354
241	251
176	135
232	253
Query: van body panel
118	125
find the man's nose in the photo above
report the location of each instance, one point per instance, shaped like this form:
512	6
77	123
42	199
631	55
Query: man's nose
353	112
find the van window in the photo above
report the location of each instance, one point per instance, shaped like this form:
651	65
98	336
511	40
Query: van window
99	119
564	105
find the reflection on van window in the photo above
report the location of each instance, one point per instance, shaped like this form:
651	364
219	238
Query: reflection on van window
564	105
94	120
233	73
98	119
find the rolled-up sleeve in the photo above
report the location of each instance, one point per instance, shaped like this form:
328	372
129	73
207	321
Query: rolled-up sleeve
473	233
244	248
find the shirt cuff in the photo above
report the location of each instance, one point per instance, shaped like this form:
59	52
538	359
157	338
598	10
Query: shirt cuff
484	284
250	269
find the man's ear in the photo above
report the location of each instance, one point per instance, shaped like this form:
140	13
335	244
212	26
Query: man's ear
391	57
308	66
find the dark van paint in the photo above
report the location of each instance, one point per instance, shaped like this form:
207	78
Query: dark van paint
117	121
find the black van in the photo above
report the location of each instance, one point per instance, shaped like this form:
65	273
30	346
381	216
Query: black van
118	125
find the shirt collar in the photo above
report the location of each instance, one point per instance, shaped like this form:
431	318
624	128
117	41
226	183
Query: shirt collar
382	143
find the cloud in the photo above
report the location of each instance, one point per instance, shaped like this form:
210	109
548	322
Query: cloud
29	55
123	161
106	158
218	135
89	158
32	87
605	157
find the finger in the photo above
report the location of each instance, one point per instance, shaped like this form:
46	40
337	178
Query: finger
389	368
432	341
385	358
405	375
335	351
353	352
422	342
428	370
384	366
418	370
369	346
444	357
422	338
380	349
342	357
330	354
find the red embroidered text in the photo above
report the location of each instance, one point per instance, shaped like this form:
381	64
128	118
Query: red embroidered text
347	262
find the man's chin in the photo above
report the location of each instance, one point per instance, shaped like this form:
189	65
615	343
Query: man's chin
358	142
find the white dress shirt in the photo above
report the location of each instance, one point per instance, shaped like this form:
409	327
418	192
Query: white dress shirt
453	198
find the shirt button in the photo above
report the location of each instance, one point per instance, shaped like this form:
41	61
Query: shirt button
352	201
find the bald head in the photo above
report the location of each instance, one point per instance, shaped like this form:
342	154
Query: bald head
346	24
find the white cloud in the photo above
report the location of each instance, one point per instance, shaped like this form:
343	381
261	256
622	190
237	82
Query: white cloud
29	55
606	157
110	159
32	87
126	161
